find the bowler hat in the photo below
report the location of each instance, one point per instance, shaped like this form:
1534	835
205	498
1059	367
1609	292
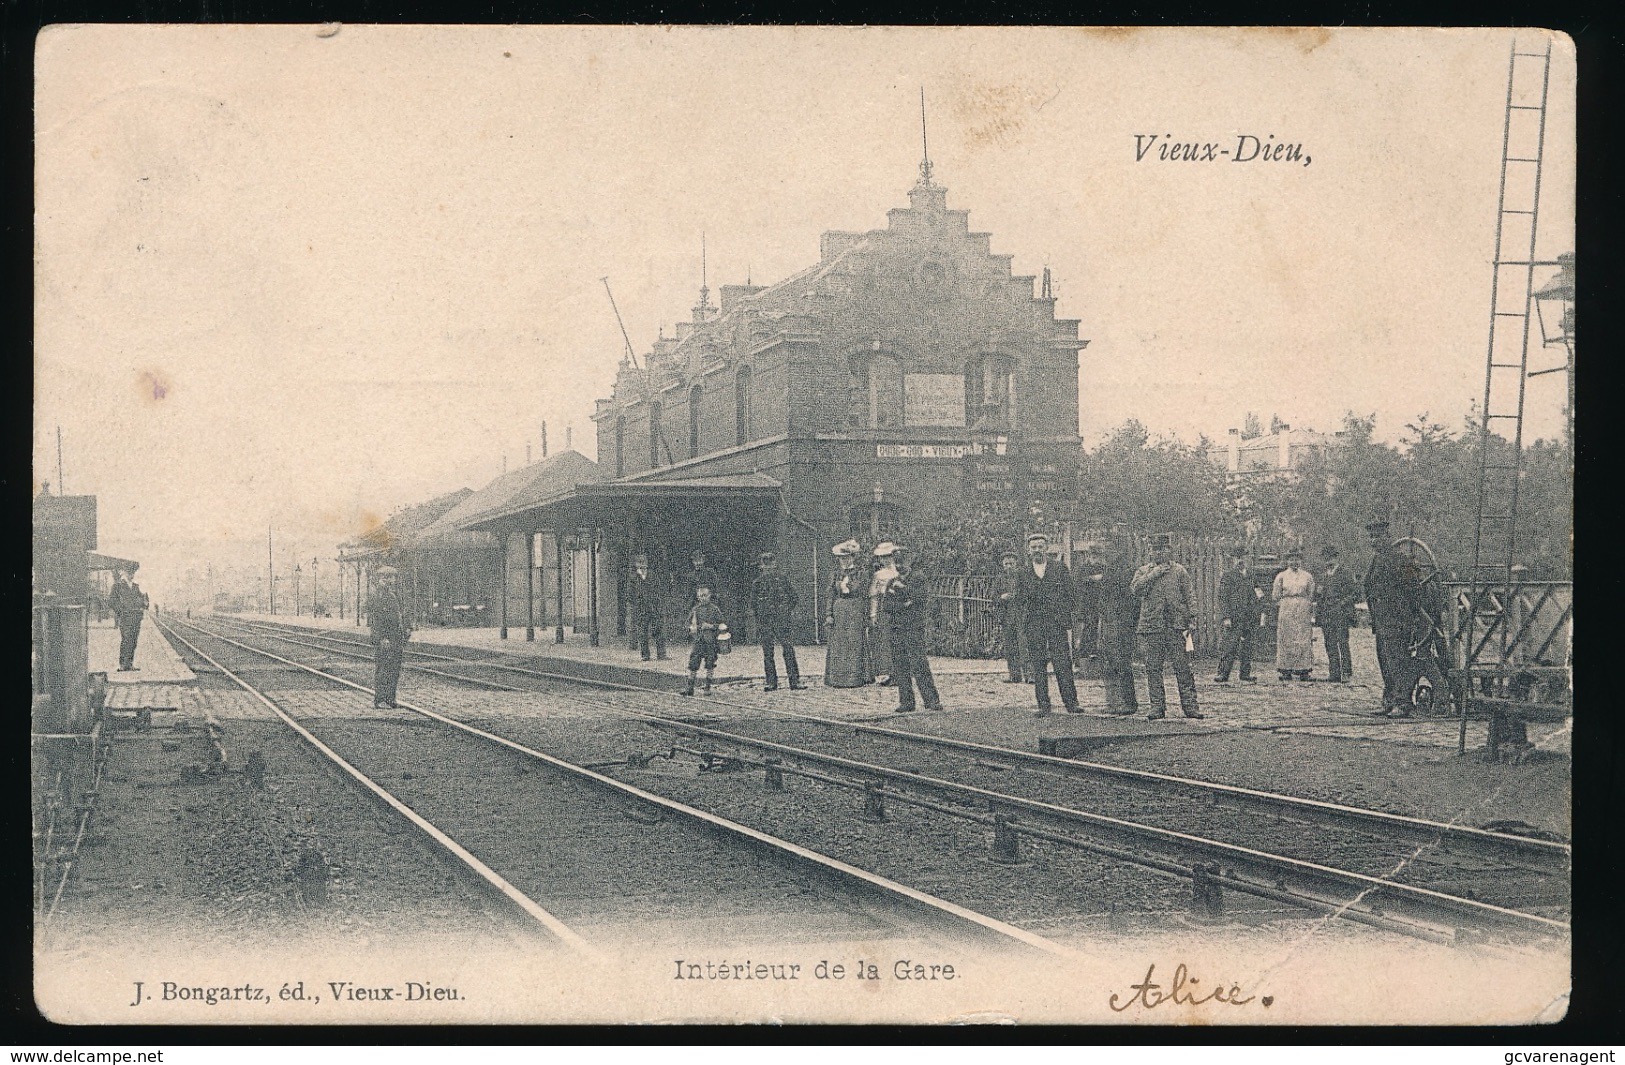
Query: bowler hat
1037	536
1328	551
1009	554
1295	553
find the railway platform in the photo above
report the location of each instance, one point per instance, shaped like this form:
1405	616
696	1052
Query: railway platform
159	679
979	705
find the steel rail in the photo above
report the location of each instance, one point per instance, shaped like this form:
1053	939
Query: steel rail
952	918
524	902
1272	866
1549	856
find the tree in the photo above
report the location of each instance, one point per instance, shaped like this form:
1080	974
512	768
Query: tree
1251	428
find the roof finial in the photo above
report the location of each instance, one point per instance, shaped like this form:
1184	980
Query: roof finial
925	146
703	311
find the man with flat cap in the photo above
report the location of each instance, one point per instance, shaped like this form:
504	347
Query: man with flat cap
1167	609
774	602
1007	608
129	605
1045	599
1393	594
1335	595
386	617
1239	610
645	593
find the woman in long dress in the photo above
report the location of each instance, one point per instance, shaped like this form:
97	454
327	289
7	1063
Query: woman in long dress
879	620
846	661
1293	592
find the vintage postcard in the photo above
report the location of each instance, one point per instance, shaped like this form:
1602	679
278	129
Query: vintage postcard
682	524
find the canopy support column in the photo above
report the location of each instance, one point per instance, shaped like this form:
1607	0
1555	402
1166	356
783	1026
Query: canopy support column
558	540
530	587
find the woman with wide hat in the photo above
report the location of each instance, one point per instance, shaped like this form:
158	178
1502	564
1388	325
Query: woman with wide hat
846	660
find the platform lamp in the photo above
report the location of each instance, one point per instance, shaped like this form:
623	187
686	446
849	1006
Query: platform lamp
298	604
314	600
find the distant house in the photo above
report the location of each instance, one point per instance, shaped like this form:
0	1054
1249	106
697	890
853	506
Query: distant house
1277	453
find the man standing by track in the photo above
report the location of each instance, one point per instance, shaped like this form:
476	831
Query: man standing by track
386	617
1167	602
129	606
1393	595
905	604
1046	599
774	602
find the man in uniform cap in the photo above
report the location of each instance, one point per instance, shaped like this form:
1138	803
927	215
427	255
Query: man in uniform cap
1046	597
129	605
1335	595
774	601
905	602
644	591
1167	607
386	617
1238	606
1393	592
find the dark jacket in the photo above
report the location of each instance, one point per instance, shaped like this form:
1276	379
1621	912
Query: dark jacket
772	598
1237	602
1046	602
1335	596
127	600
644	594
386	615
1007	597
905	603
706	621
1117	599
1392	592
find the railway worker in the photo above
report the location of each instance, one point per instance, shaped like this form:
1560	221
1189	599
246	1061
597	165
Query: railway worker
1393	592
905	603
1119	612
706	624
774	601
1007	608
386	617
1046	598
646	605
1337	592
1238	607
702	574
129	605
1167	600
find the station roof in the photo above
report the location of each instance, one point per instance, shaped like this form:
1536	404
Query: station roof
517	491
592	501
403	526
97	561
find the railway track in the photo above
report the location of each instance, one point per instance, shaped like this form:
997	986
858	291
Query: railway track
1407	874
592	861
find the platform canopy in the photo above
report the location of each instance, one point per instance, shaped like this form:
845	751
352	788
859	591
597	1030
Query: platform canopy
590	504
97	561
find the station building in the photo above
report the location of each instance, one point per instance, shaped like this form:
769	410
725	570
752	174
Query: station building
907	374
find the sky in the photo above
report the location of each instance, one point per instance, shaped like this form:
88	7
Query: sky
298	277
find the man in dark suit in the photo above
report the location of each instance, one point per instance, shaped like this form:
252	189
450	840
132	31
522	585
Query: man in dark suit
1119	612
1045	598
1238	606
386	617
1393	595
644	592
905	601
129	606
774	602
1007	608
1336	592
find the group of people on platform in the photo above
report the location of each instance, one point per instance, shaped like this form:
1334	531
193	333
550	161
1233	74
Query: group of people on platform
875	621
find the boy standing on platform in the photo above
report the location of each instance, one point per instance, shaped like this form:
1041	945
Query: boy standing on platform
706	624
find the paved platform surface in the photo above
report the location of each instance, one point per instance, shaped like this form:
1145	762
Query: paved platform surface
155	660
979	705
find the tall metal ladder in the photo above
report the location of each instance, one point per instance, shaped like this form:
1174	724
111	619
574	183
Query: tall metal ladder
1506	369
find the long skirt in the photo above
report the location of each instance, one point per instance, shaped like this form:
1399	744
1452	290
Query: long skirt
880	646
846	660
1294	636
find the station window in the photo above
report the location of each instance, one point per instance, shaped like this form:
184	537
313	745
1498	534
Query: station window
877	392
874	522
654	435
989	392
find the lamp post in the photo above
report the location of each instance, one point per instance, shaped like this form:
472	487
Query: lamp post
314	597
298	604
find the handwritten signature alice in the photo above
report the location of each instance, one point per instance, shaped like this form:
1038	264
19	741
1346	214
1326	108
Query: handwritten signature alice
1182	990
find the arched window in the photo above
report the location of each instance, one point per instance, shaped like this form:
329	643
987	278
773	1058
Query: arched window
695	396
742	405
990	392
620	445
877	392
654	435
874	522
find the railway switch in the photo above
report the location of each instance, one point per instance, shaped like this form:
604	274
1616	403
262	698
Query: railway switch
1006	841
774	776
874	806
